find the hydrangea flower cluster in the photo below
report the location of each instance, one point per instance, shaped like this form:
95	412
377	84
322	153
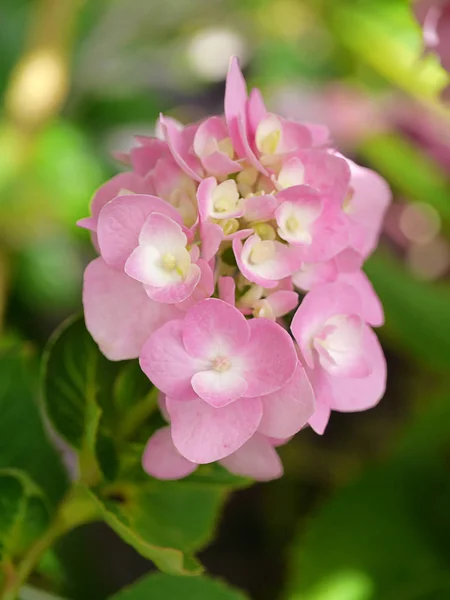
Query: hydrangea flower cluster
219	231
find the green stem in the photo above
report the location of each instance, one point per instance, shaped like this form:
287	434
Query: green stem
75	509
138	414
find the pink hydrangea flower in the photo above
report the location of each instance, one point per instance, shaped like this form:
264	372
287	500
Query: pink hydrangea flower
206	245
344	360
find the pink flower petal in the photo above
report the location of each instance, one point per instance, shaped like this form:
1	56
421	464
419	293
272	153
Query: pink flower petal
284	261
320	418
342	356
119	315
312	274
227	289
295	136
282	302
162	460
204	434
204	289
320	134
248	151
214	328
144	158
209	133
177	292
219	388
350	394
367	208
320	304
166	363
120	223
327	173
287	411
256	110
212	236
88	223
372	309
180	142
260	208
235	106
220	165
257	459
269	359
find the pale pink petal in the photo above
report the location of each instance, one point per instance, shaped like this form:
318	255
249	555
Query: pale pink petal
176	292
120	223
220	165
321	303
256	110
294	136
260	208
166	363
331	236
120	184
119	315
204	434
320	418
162	231
203	289
269	359
257	459
213	128
288	410
214	328
339	347
235	106
144	158
327	173
180	142
163	407
348	261
212	236
303	206
88	223
320	134
248	151
349	394
320	382
367	207
162	460
204	197
209	133
282	262
219	388
312	274
282	302
227	289
372	309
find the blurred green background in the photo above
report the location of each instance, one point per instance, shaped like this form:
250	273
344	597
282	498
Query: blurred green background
363	512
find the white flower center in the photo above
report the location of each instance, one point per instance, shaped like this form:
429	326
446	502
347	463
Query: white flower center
262	251
221	364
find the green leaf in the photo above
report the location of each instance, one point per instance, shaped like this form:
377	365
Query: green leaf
386	534
77	382
24	514
163	520
24	444
166	587
417	312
